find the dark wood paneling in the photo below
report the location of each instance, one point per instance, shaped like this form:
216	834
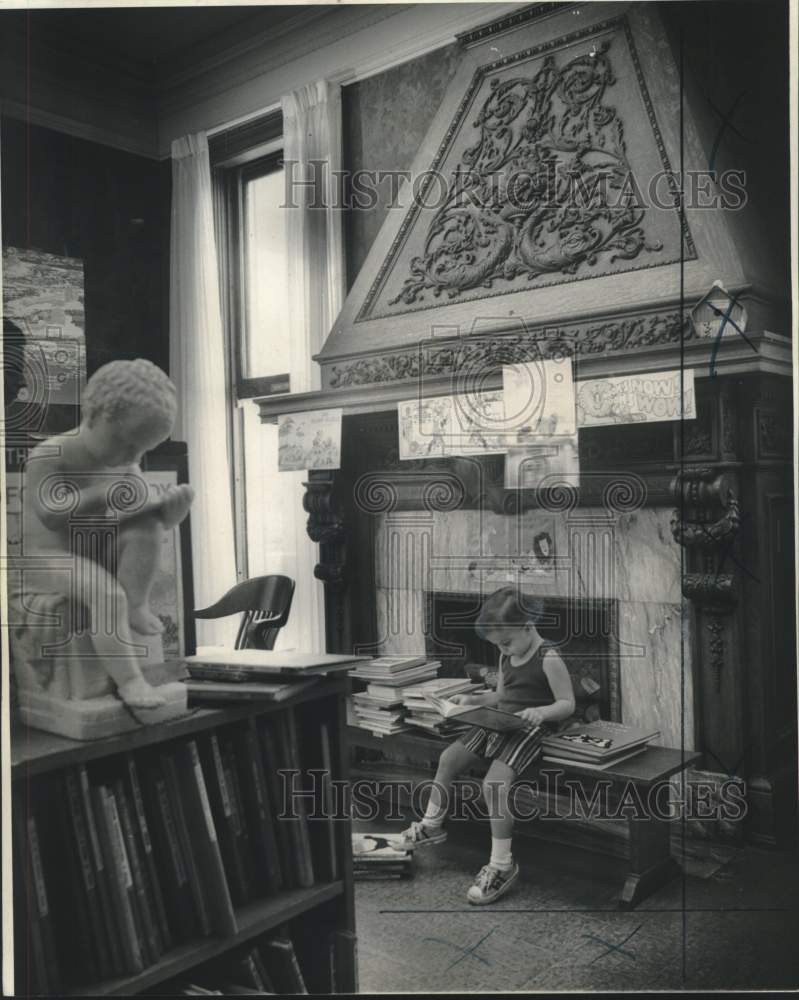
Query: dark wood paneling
108	208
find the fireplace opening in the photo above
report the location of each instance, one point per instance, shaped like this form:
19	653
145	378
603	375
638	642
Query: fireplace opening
581	629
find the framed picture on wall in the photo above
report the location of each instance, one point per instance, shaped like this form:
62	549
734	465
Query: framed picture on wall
172	595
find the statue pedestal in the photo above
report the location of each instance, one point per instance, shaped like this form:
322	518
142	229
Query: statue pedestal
94	711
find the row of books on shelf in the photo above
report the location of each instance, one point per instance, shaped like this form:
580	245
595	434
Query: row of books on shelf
163	846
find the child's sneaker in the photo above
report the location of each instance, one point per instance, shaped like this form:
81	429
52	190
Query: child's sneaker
491	883
420	835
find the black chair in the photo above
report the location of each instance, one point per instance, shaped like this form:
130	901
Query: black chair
264	603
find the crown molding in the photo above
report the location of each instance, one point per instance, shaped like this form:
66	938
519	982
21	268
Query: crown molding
78	129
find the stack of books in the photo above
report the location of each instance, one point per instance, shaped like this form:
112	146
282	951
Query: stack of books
380	707
597	745
396	671
380	718
381	855
425	715
258	674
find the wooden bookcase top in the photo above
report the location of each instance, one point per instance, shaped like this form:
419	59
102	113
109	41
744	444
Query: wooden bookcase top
35	752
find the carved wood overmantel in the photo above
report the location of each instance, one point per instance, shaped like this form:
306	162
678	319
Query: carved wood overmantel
487	276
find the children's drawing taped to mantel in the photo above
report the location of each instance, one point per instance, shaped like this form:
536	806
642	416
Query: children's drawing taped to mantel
466	424
539	399
630	399
425	427
309	440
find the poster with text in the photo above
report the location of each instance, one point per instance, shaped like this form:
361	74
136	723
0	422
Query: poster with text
631	399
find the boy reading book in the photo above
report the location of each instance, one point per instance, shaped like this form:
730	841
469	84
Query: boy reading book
535	685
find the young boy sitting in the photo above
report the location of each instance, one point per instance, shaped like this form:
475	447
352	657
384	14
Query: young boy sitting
533	682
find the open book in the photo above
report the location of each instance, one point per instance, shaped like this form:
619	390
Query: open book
478	715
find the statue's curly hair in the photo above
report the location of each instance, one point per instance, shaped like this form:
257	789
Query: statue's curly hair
120	386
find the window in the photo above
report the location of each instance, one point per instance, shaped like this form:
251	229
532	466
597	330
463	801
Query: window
264	346
252	243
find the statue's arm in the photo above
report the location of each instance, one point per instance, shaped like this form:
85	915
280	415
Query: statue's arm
56	491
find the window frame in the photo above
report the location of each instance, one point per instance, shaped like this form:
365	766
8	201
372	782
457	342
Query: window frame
231	182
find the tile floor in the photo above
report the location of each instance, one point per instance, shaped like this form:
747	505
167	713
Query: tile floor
562	931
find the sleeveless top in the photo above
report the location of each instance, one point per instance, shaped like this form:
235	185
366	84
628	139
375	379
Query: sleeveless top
525	685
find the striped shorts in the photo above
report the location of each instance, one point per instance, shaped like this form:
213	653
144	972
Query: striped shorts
518	750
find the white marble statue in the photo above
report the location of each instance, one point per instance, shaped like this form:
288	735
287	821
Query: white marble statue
92	539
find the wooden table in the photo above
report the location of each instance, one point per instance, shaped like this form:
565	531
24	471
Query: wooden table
649	862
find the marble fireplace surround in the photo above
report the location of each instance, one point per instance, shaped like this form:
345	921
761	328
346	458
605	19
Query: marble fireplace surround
586	554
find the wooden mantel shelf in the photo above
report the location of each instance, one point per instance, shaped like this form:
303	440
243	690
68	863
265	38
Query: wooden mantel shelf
761	352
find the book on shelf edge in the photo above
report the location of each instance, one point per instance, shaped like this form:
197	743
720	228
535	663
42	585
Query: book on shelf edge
241	826
102	877
257	807
171	863
90	887
327	803
77	949
186	840
145	842
298	826
228	830
273	762
150	940
36	948
116	861
205	843
282	965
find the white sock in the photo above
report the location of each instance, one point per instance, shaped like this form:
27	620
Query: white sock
501	856
432	815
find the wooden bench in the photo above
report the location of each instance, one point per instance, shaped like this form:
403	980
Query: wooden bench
649	862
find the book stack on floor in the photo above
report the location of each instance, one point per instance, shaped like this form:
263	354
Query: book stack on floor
380	707
381	855
423	714
125	858
597	745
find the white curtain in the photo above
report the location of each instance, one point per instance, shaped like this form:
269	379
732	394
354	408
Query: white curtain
197	366
277	541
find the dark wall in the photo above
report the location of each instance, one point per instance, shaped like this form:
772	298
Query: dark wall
737	83
110	209
385	119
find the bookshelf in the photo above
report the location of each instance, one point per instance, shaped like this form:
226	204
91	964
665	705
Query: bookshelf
189	868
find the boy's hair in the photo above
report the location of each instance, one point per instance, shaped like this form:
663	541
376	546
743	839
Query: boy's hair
124	385
508	608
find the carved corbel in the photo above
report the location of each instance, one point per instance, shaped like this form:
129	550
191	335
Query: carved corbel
325	525
706	524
